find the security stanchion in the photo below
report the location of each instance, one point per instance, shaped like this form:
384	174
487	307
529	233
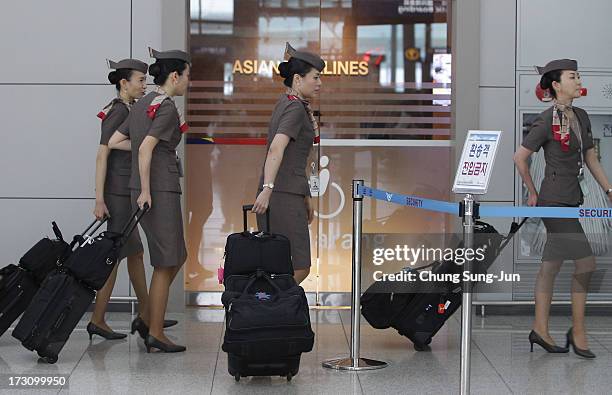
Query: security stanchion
355	362
466	301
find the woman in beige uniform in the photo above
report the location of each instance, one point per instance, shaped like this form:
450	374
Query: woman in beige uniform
564	132
291	134
153	131
112	192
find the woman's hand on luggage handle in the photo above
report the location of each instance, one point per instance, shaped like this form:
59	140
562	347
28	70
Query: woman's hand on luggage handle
145	197
101	211
263	201
309	208
532	200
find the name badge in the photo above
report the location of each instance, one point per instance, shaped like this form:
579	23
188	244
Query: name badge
314	185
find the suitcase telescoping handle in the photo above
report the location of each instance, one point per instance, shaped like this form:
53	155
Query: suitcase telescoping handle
133	222
97	223
249	207
88	232
514	227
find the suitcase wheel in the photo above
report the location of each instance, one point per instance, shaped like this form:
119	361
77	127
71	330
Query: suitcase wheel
237	377
422	347
289	376
49	360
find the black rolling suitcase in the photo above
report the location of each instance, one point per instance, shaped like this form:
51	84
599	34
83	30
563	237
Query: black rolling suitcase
64	296
17	288
20	283
55	311
419	316
267	318
267	325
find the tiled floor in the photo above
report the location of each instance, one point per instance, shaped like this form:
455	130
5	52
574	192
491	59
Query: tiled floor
501	361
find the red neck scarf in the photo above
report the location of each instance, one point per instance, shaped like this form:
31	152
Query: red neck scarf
561	125
292	95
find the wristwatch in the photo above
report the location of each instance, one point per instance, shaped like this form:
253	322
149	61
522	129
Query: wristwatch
608	190
269	185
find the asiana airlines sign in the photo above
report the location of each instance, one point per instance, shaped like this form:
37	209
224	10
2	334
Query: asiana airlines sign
336	67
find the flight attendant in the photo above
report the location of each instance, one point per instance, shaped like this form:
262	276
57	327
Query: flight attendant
293	130
564	132
112	192
153	131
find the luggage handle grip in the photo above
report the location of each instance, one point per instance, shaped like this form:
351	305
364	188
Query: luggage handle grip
249	207
57	231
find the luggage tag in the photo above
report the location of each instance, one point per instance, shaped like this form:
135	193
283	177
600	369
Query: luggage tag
582	182
221	270
442	307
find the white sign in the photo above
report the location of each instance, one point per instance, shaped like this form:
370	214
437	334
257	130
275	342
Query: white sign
476	164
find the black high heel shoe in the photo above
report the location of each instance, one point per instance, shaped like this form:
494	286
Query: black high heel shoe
151	342
139	326
551	348
169	323
93	329
578	351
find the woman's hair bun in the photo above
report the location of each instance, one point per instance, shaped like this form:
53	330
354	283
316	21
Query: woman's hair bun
113	77
284	70
545	82
155	69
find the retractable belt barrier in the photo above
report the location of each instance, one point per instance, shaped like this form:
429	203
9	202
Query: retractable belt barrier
484	211
469	210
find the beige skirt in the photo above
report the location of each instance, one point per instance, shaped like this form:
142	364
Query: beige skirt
289	217
120	210
163	227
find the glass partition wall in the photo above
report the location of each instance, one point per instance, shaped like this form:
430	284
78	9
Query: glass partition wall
384	111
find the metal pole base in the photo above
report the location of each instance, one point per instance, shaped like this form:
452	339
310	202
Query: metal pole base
347	364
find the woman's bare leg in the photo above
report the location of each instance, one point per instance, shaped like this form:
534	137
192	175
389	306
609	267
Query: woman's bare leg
135	265
580	285
102	299
543	297
158	300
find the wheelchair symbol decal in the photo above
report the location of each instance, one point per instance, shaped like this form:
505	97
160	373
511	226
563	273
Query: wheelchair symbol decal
324	177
